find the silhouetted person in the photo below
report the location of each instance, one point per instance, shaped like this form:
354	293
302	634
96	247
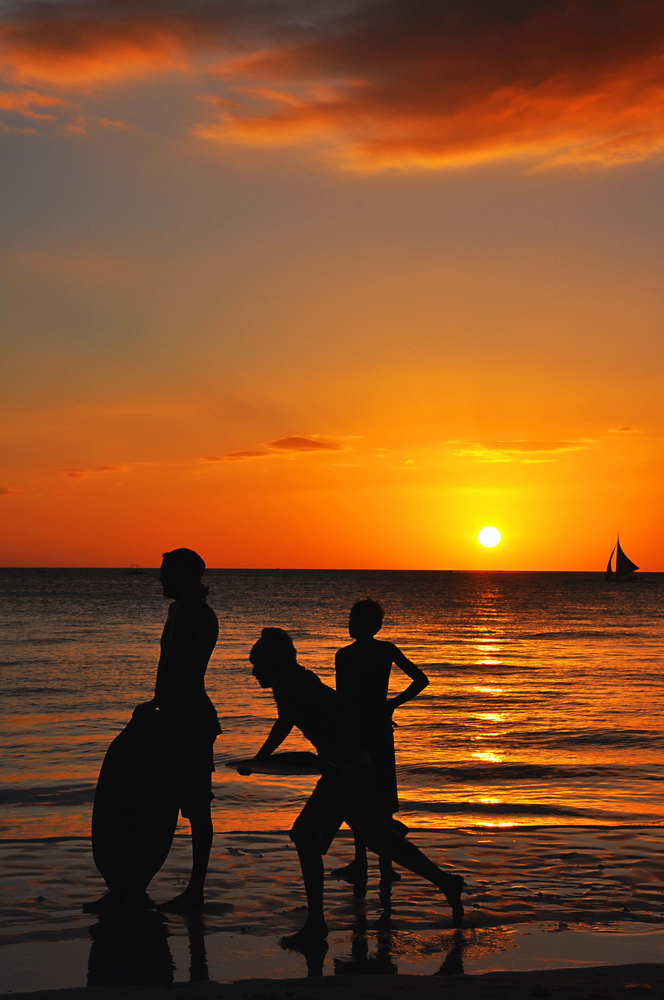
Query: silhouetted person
362	680
161	763
345	793
189	637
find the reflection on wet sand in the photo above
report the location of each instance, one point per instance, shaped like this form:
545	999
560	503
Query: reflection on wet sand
130	948
360	961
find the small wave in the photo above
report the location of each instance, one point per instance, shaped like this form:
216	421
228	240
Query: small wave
582	633
465	773
603	737
496	808
55	795
21	691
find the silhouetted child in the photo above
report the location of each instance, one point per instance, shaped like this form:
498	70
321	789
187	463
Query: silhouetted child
363	679
345	793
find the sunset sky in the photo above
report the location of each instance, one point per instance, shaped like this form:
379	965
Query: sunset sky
310	284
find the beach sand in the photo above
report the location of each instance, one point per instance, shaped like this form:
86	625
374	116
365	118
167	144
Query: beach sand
538	900
604	983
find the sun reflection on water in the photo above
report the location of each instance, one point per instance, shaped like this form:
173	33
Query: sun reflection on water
488	756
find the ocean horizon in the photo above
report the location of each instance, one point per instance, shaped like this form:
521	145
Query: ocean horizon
544	705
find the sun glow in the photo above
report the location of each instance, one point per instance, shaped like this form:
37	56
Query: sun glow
488	537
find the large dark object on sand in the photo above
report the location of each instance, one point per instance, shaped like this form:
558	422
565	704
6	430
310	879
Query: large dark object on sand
135	810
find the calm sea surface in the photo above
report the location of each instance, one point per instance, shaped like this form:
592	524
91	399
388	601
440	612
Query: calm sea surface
544	708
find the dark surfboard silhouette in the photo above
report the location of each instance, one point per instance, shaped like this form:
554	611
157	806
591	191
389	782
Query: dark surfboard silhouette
135	808
289	762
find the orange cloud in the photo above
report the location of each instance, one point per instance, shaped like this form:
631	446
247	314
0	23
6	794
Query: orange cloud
74	44
6	492
430	82
441	83
237	456
23	102
507	451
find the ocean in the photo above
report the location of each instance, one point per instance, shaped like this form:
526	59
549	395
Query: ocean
532	765
544	707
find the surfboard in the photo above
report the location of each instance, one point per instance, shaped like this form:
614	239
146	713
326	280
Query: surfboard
135	808
290	762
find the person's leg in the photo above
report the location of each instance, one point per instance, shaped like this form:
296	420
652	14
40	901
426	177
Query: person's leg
312	833
200	821
356	871
408	856
311	863
387	872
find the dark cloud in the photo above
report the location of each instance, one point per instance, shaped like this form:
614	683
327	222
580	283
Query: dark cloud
297	443
388	82
82	473
6	492
441	82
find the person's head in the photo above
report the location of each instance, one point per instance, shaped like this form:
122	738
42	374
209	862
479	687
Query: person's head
366	618
181	569
272	656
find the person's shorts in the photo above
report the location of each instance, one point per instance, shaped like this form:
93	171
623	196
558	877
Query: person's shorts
193	768
349	797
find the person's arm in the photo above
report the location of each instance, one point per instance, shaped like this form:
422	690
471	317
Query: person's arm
418	678
145	708
277	735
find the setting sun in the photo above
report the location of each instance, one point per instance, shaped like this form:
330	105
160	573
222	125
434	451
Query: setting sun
488	537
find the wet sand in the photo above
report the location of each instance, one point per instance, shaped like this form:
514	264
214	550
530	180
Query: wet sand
538	900
605	983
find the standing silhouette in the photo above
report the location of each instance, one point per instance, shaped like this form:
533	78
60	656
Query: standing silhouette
345	793
362	680
189	637
162	761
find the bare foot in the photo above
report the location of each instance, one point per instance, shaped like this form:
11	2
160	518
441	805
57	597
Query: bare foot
187	900
355	873
311	933
453	886
388	873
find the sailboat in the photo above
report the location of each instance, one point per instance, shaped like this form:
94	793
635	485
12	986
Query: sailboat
625	568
